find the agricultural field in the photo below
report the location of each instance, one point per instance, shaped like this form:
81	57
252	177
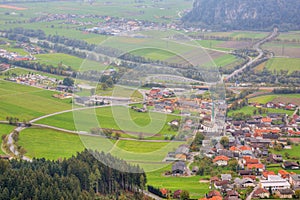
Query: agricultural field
5	129
290	64
292	36
250	109
286	98
66	60
27	103
196	188
237	35
284	49
117	118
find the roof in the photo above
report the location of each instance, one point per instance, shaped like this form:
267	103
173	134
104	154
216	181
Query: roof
256	166
245	148
214	193
267	173
178	166
266	120
260	191
218	158
295	177
287	191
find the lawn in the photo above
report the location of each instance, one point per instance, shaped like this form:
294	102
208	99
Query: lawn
294	152
116	117
120	91
290	64
25	102
5	129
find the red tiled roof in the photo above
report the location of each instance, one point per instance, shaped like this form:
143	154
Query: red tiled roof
266	120
267	173
245	148
255	166
217	158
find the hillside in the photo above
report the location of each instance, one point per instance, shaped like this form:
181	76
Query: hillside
244	14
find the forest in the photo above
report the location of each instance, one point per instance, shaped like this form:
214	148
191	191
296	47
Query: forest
244	15
82	176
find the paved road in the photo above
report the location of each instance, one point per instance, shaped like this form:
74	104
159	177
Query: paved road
260	55
249	197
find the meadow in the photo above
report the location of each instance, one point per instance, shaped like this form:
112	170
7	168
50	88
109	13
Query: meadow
250	109
25	102
290	64
151	125
66	60
269	98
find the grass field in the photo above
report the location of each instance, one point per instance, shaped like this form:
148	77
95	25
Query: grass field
249	110
154	54
290	64
26	102
10	48
71	61
294	152
4	130
118	118
192	184
268	98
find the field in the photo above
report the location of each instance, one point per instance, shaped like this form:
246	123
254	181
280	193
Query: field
69	61
290	36
286	98
238	34
154	54
290	64
192	184
4	130
284	49
249	110
118	118
26	102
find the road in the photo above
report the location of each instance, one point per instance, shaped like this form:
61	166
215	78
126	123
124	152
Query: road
260	55
249	197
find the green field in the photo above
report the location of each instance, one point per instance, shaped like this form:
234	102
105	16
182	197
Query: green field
26	102
290	36
154	54
249	110
268	98
5	129
118	118
191	184
290	64
225	60
10	48
69	61
238	34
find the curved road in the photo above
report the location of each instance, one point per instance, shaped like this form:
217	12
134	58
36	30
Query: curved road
260	55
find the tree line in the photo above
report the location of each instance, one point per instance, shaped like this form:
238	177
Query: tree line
79	177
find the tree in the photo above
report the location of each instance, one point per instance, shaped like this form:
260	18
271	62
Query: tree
68	81
184	195
297	194
233	163
224	141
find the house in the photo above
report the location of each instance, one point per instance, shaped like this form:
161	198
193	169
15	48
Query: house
261	193
226	177
267	173
178	168
266	120
276	158
176	194
295	181
258	167
274	182
214	193
231	195
221	160
220	184
244	183
284	174
290	165
285	193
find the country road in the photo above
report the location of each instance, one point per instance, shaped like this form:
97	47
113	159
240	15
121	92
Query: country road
257	47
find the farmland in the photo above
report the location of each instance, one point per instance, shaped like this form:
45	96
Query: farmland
290	64
117	117
26	102
289	98
250	109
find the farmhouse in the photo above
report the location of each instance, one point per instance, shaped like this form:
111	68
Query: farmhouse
295	181
221	160
179	168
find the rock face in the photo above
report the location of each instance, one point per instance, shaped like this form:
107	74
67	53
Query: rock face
245	14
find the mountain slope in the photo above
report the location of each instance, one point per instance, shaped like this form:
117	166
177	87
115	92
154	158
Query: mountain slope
245	14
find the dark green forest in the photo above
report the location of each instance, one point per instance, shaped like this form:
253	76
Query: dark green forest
245	15
79	177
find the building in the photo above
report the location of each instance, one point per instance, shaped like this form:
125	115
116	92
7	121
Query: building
179	168
261	193
285	193
274	182
295	181
221	160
